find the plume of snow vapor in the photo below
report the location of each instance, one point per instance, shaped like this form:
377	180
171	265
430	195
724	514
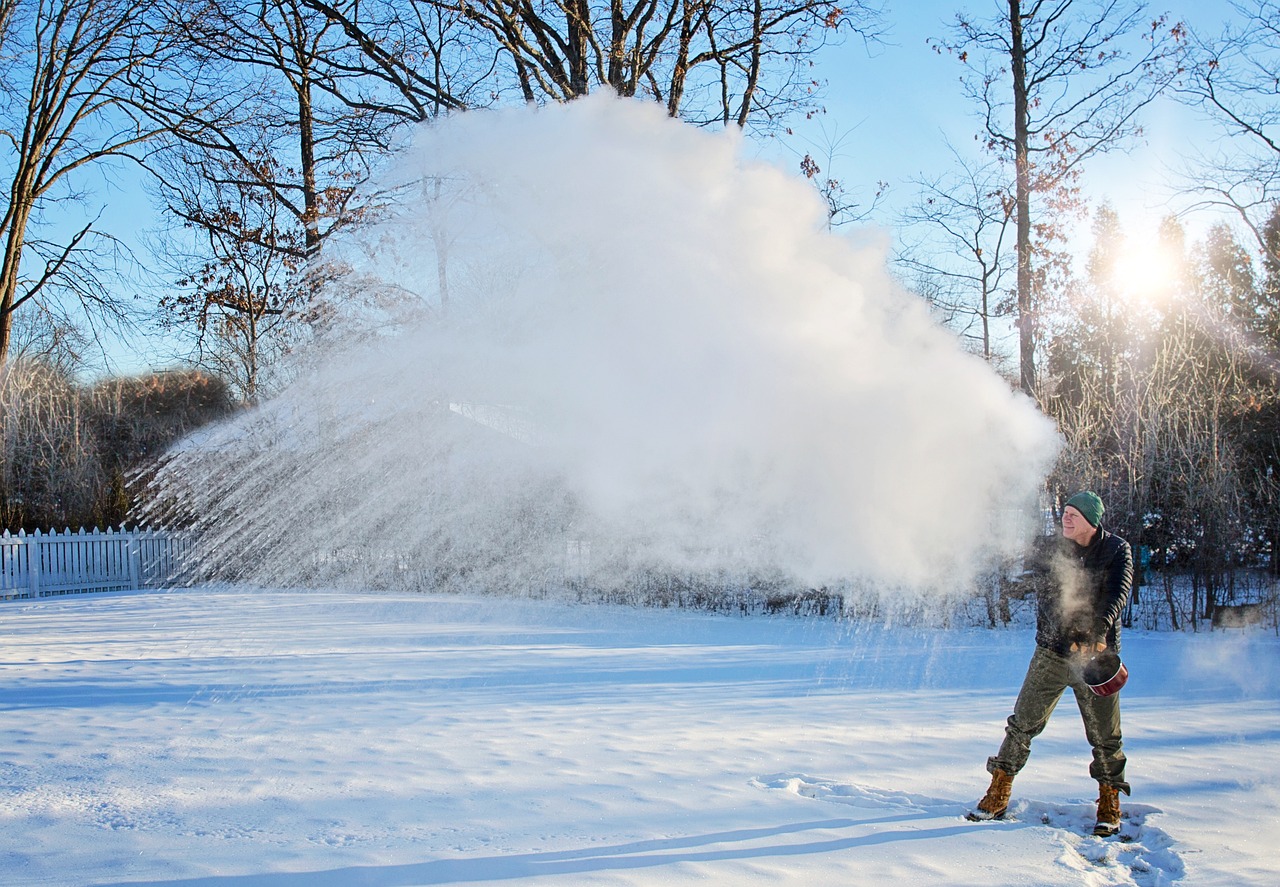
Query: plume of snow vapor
608	333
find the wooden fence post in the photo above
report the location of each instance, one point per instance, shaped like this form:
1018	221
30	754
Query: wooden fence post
33	563
135	560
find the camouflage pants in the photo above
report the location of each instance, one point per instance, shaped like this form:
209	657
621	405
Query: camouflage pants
1048	676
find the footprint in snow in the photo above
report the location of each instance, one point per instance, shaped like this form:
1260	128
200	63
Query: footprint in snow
1142	854
853	794
1143	849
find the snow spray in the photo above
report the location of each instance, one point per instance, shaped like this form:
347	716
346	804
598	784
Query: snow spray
587	341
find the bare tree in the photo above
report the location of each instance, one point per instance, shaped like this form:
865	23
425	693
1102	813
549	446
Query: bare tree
410	61
709	61
748	62
844	206
1057	82
7	8
49	467
248	113
270	135
241	288
50	341
1232	78
961	251
69	100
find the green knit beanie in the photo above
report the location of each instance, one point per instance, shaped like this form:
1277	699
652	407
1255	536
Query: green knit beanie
1088	504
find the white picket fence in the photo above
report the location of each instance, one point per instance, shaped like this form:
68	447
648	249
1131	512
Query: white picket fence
47	564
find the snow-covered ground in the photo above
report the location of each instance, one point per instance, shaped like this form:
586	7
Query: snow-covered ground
228	738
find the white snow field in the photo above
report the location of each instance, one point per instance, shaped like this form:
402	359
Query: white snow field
231	737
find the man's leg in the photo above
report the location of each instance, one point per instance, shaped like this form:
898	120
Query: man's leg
1101	715
1041	689
1047	677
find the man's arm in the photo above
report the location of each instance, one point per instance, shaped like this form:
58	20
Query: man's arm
1118	583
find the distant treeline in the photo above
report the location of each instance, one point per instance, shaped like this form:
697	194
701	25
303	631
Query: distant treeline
70	451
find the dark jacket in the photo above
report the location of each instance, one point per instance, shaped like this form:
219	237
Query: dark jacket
1087	589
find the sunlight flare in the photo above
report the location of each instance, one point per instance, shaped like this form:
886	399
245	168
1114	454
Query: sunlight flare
1146	271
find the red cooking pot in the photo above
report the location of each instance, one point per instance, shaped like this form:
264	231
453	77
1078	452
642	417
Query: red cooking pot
1104	672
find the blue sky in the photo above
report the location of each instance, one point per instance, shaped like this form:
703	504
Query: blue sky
894	106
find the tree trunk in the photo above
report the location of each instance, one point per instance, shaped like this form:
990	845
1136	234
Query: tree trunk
753	73
617	68
1275	549
1022	164
681	69
1169	598
307	149
10	264
578	15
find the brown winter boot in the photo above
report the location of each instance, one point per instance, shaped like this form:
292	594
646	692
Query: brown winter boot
1108	811
995	802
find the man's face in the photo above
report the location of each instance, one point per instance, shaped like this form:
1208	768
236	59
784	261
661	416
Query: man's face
1075	527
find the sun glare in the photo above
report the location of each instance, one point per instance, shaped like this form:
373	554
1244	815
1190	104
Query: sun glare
1145	271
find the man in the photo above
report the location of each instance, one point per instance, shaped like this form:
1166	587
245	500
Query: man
1078	613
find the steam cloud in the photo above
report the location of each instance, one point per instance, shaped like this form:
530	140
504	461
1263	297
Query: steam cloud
590	330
